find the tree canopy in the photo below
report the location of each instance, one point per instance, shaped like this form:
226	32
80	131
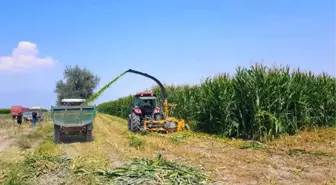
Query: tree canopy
77	83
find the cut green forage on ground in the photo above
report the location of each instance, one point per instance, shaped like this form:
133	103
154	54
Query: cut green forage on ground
158	171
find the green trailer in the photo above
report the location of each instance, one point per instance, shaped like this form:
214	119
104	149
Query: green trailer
73	118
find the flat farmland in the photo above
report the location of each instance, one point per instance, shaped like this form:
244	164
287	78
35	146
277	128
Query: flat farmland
29	156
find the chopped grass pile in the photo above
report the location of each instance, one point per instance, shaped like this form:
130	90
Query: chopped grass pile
157	171
136	142
29	170
39	164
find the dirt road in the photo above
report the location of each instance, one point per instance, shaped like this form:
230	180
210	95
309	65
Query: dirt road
307	158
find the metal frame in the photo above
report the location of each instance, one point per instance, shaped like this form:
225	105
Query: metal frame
73	100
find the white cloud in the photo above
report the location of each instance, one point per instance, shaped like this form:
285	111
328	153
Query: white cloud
24	56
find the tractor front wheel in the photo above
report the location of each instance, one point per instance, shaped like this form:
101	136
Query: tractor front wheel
135	122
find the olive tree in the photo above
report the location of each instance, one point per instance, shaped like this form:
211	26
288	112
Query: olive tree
77	83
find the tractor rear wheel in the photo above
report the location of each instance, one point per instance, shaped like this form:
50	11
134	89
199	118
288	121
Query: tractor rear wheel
57	134
135	122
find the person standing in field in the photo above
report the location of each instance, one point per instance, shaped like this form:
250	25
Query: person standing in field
19	119
34	116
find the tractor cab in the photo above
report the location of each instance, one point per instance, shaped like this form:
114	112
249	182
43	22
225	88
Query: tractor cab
145	104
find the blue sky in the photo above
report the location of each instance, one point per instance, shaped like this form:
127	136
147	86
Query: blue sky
178	41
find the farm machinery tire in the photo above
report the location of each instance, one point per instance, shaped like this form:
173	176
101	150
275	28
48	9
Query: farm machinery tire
57	134
88	135
135	122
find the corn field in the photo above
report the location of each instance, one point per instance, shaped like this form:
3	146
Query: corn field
258	102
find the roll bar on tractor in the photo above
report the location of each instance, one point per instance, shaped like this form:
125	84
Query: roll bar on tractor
163	89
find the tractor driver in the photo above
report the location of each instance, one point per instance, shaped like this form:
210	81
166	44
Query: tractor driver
147	103
146	106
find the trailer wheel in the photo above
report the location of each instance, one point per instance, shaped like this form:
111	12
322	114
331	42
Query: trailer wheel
88	135
57	134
